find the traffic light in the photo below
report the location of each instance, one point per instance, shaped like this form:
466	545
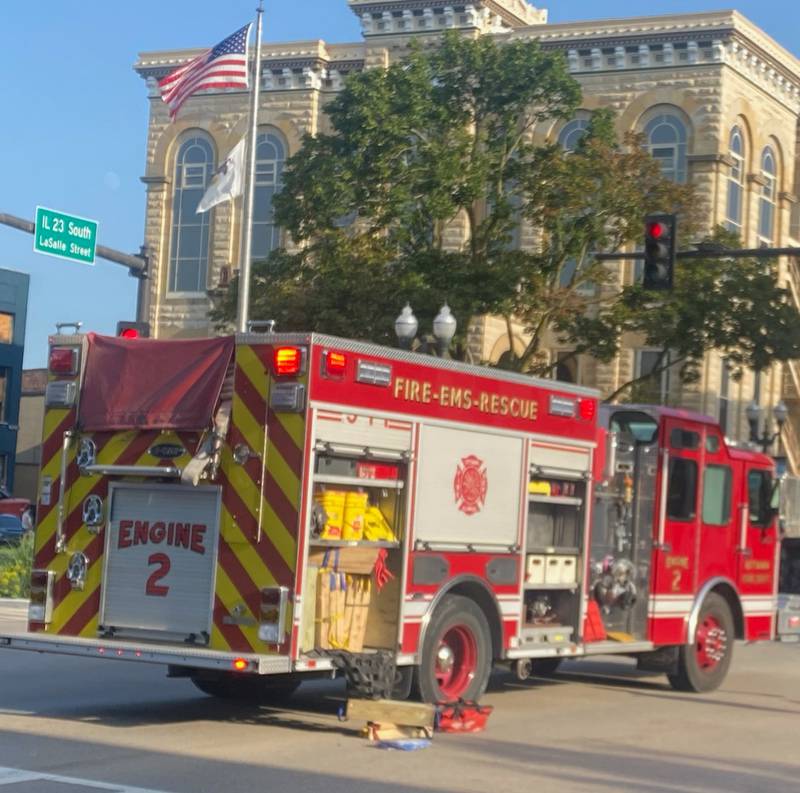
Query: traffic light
133	330
659	251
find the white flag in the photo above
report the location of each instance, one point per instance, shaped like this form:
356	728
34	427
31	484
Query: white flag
228	180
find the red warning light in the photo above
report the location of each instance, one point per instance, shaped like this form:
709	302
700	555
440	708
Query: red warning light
335	363
656	230
287	361
587	409
129	333
63	360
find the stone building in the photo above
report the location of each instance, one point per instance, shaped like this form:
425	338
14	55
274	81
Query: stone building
716	98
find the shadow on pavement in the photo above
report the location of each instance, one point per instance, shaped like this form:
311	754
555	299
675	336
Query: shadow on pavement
181	774
605	765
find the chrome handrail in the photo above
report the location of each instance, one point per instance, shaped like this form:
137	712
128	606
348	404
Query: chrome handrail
155	471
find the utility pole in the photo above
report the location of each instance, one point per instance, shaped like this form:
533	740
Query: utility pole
137	265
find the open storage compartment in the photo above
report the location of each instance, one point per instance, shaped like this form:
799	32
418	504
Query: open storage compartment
553	554
354	573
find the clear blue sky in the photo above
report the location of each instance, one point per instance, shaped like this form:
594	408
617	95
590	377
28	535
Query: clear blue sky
75	119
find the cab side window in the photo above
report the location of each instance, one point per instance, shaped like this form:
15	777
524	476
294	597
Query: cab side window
759	491
682	489
717	481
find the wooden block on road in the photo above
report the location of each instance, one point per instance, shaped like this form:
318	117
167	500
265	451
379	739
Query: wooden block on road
392	712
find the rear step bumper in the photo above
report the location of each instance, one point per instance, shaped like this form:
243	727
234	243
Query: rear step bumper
146	653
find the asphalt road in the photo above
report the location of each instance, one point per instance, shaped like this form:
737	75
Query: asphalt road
598	727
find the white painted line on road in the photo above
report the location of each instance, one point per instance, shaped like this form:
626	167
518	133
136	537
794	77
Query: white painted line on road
14	776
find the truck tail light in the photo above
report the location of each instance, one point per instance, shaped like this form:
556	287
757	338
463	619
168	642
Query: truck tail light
287	361
64	360
272	627
40	607
334	364
240	664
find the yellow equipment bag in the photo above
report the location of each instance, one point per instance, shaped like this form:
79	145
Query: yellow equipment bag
355	507
332	501
376	527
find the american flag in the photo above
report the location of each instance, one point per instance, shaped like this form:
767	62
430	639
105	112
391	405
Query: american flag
224	66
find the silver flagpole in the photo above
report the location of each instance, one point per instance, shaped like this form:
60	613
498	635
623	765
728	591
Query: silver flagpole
247	221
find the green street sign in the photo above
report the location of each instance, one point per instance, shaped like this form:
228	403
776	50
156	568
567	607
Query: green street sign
65	236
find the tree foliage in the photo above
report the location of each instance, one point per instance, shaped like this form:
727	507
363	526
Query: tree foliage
416	192
732	305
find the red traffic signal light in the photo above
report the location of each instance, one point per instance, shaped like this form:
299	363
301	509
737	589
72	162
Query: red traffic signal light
659	251
133	330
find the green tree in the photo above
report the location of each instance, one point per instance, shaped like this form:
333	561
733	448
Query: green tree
433	141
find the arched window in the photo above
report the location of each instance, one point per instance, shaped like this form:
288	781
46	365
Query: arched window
189	243
733	219
270	159
570	136
665	136
766	203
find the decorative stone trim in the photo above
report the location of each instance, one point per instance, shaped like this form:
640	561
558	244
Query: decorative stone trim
722	159
399	16
155	183
756	178
789	198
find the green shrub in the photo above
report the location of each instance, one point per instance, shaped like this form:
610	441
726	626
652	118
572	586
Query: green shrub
15	568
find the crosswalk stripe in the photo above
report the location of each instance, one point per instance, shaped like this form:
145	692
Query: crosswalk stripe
16	776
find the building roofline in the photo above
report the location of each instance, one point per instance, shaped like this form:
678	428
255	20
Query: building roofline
728	21
150	62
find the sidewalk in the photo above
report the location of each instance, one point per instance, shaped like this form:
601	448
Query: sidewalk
13	612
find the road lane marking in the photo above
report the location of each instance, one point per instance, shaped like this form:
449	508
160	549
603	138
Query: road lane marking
15	776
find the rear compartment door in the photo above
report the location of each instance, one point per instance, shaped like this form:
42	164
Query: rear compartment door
160	562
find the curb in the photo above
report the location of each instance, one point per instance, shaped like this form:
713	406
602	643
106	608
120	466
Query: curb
13	601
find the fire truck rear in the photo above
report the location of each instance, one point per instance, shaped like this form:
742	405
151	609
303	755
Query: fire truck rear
248	511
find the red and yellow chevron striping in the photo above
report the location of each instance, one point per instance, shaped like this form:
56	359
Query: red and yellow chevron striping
258	545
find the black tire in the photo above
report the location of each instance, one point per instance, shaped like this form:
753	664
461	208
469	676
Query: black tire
703	664
255	689
545	667
459	627
403	683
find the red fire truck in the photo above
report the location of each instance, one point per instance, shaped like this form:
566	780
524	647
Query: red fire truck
250	510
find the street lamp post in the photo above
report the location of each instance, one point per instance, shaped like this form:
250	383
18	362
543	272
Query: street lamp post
405	327
444	329
780	413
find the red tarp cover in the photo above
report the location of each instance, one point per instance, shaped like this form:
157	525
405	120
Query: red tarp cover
152	384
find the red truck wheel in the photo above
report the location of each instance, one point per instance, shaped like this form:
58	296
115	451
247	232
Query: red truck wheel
703	663
457	653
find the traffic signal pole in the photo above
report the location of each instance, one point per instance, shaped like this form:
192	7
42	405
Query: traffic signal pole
716	253
137	264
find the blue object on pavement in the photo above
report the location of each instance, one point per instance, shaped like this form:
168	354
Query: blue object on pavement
404	745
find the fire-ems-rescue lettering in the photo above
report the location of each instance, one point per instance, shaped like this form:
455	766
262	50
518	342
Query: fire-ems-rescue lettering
465	399
179	535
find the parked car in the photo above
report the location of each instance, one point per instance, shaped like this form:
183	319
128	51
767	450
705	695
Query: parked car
18	507
11	530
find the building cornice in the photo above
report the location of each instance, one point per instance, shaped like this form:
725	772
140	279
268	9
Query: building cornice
724	37
513	13
710	39
292	55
